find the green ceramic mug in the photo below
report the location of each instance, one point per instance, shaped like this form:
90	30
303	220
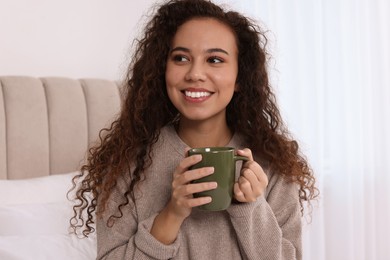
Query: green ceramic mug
223	159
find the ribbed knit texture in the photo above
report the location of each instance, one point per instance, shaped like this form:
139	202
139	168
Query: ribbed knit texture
268	229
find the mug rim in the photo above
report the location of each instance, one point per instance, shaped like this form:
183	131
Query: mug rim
211	149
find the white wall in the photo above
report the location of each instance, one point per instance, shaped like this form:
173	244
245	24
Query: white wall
72	38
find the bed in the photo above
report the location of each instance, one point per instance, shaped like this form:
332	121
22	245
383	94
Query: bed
46	127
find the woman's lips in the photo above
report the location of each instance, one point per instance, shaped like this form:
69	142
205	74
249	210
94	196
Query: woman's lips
196	95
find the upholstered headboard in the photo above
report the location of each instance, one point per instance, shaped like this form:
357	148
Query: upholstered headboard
47	124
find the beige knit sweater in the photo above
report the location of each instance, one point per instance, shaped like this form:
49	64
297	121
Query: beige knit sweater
269	228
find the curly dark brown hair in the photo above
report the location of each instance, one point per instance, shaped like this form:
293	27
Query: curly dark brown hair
125	147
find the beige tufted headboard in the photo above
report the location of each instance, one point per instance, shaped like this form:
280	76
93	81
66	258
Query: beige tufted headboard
47	124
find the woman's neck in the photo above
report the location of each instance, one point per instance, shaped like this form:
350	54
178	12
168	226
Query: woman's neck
196	134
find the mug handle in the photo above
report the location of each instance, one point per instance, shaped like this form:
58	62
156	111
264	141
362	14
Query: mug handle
240	158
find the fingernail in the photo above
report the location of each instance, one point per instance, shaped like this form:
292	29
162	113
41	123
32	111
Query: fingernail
198	156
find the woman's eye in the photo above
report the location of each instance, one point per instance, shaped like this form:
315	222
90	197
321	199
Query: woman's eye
214	60
180	58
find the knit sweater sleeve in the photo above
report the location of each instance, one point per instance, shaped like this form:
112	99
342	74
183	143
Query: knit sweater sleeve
270	228
127	237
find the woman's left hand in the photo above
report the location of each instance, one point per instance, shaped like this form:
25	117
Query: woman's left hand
252	181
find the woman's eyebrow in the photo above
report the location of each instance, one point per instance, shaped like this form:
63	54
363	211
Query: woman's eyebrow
217	50
208	50
180	49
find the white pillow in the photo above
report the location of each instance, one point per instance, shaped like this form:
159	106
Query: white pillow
46	189
34	220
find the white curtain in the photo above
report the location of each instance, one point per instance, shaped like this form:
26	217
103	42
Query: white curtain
331	71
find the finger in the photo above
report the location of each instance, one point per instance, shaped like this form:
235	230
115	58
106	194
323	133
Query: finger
256	169
188	162
190	189
196	174
246	153
238	194
180	179
195	202
251	177
253	165
246	188
257	186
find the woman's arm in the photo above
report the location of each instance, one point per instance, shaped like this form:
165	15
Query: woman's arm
268	220
263	234
128	237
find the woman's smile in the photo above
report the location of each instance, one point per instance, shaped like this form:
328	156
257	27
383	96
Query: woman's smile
196	95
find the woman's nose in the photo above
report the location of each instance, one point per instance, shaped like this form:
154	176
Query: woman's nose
196	72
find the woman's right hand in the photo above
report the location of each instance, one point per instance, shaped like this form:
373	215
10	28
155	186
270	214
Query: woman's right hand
182	200
167	223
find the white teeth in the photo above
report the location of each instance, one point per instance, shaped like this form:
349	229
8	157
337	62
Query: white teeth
197	94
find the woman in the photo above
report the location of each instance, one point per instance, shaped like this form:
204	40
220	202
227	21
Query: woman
198	78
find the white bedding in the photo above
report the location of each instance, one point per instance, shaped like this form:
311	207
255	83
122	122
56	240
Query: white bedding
34	221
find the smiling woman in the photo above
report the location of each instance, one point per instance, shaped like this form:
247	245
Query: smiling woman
198	79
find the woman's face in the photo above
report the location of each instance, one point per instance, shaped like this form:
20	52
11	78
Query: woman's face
202	69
